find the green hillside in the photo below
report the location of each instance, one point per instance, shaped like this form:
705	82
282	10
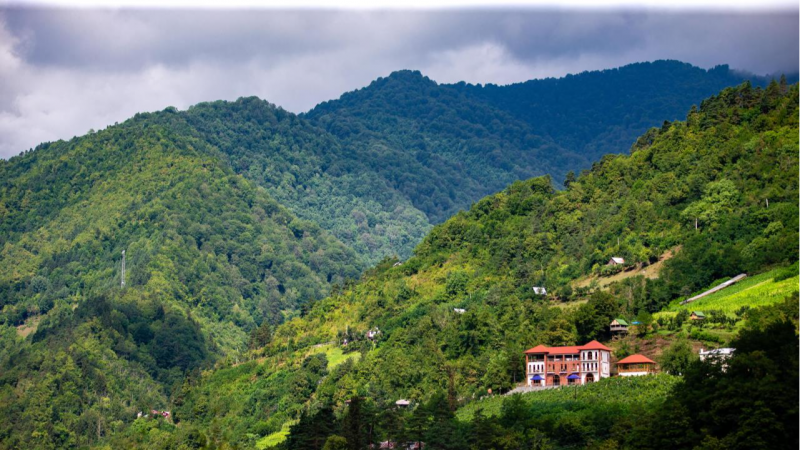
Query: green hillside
600	112
209	257
763	289
718	166
244	227
457	143
618	392
443	150
309	171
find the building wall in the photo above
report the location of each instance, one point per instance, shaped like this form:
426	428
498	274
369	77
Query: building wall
596	362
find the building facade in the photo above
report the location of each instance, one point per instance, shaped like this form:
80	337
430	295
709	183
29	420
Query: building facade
559	366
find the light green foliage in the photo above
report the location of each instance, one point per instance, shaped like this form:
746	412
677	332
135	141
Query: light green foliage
272	440
754	291
209	255
335	442
677	357
627	392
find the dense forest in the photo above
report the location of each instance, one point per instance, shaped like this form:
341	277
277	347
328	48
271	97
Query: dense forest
244	227
210	257
699	185
454	144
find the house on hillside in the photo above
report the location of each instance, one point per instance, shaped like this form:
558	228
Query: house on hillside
719	355
570	365
697	315
619	327
635	365
616	261
539	290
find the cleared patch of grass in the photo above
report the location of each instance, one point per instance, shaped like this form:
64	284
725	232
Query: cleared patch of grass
336	355
29	327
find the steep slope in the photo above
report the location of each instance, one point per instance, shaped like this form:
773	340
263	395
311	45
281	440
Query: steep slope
209	258
308	171
600	112
442	149
460	142
719	166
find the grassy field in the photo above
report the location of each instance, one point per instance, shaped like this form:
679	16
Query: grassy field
335	355
755	291
617	391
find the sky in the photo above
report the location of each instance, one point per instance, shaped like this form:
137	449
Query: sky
66	70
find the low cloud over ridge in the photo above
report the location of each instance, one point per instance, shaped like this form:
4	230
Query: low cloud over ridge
64	72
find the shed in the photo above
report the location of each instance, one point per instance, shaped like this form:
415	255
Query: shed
539	290
697	315
402	402
616	261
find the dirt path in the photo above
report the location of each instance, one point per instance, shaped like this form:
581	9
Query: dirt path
650	271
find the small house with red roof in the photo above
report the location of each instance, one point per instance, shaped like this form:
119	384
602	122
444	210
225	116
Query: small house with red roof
635	365
569	365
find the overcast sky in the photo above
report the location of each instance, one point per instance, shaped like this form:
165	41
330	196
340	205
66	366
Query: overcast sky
63	72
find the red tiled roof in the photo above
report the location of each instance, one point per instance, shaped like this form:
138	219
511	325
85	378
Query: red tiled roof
538	349
594	345
636	359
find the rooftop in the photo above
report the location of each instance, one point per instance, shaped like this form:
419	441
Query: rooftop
636	359
593	345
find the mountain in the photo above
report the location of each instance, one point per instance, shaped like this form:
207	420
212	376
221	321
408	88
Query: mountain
455	318
458	143
443	150
309	171
210	256
600	112
236	217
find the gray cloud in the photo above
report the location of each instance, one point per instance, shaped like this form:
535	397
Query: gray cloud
63	72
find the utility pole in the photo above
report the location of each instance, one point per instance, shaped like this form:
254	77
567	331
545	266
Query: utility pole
122	272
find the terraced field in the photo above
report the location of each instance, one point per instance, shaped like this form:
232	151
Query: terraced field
759	290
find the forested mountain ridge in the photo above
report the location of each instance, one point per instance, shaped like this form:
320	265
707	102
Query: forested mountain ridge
480	139
308	171
451	149
719	166
210	257
599	112
230	214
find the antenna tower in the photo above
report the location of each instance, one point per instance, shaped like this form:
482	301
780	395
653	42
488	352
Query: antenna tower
122	272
